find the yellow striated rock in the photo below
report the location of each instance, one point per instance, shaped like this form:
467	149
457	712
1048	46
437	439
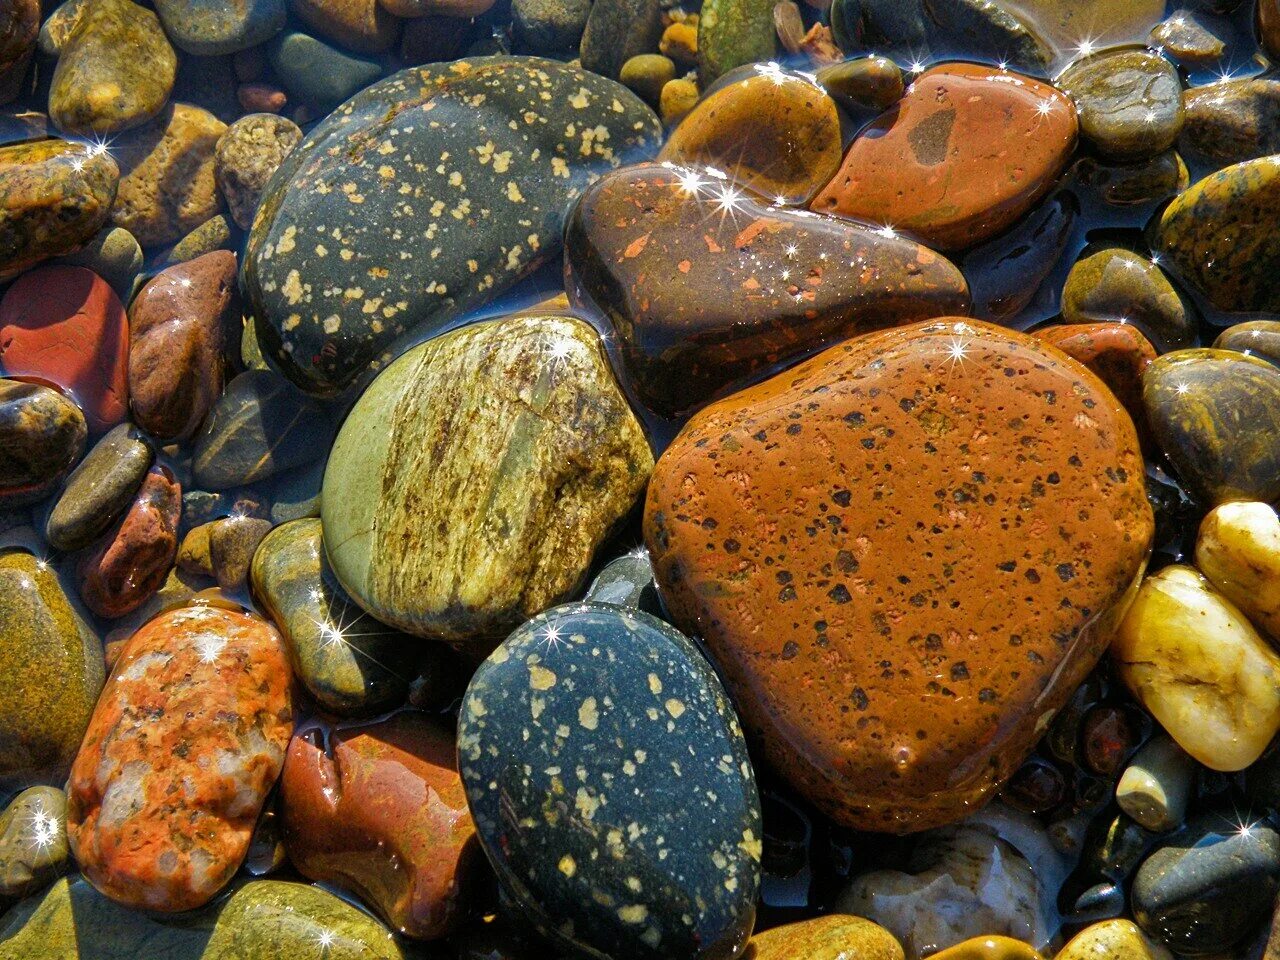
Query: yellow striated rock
833	937
1239	551
990	948
1111	940
1193	660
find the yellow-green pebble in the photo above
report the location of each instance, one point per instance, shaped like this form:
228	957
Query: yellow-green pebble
678	98
990	948
833	937
647	74
1110	940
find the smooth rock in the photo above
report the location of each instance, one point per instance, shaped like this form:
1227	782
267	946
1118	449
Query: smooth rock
548	26
646	74
616	31
1005	273
233	542
1255	338
364	674
1118	286
1189	38
830	937
115	71
926	166
1129	102
990	948
611	787
627	582
1234	120
179	589
259	427
507	208
1067	26
19	28
986	31
362	26
1213	412
680	42
214	234
52	672
1114	940
1268	20
1238	549
319	74
1180	627
213	27
893	414
99	489
378	810
168	186
178	328
1118	353
200	697
261	98
699	305
33	841
871	83
1155	787
1129	184
513	453
111	253
453	12
732	33
42	435
57	26
250	151
678	99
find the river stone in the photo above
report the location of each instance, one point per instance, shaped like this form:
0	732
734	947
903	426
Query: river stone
1209	237
1269	30
1074	27
545	27
1126	184
248	154
114	255
42	435
987	31
832	937
99	489
732	33
926	166
775	132
214	27
627	581
317	73
54	196
200	696
1007	629
616	31
18	30
1006	273
339	209
700	303
259	427
1215	414
362	26
352	665
1129	102
52	672
1234	120
871	83
1191	39
611	787
115	71
33	841
1256	338
57	26
1118	286
474	480
213	234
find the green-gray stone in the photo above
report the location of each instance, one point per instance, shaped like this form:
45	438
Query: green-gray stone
366	233
99	489
1216	415
1233	121
51	670
114	255
1118	286
986	30
42	434
209	27
1129	102
864	82
213	234
618	30
350	663
317	73
296	494
548	26
732	33
33	841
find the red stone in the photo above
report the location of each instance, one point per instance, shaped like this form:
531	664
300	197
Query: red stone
184	745
378	809
261	98
65	325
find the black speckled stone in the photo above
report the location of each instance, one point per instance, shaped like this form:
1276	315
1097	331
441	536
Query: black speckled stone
425	195
611	788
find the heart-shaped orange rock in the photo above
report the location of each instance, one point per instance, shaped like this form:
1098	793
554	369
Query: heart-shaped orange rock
904	554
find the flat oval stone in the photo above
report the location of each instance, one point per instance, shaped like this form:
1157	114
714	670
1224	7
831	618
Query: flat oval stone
1118	286
925	166
378	810
214	27
199	697
939	420
33	841
338	218
51	670
701	303
367	670
1129	184
1255	338
42	435
54	196
985	31
115	71
46	318
611	788
99	489
1208	235
627	581
867	82
474	480
1129	102
832	937
1233	121
248	154
774	132
319	74
1215	413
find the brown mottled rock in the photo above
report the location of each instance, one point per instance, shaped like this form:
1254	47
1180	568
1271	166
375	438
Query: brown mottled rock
1269	31
775	132
360	25
936	524
223	549
42	435
248	153
415	9
959	159
178	327
1234	120
19	27
707	286
379	810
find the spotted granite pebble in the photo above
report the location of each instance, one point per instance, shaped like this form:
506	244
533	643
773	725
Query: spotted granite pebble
935	522
425	195
611	788
248	153
42	435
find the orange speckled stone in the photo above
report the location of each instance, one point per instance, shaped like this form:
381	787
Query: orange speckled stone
899	553
959	159
378	809
184	744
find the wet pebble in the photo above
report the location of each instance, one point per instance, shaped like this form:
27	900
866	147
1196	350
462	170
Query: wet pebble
211	27
317	73
248	153
1129	101
1238	549
830	937
33	841
1119	286
616	31
1256	338
42	435
732	33
1156	785
1234	120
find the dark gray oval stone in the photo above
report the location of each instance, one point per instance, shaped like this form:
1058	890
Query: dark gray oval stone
100	489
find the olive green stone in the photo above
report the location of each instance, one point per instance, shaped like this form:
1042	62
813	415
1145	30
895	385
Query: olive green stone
100	489
474	480
1234	120
1216	415
116	70
250	353
1129	101
1118	286
647	74
732	33
33	841
1256	338
1126	184
51	670
868	82
213	234
351	664
113	254
42	435
1210	236
618	30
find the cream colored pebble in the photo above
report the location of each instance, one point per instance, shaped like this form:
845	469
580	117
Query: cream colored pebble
1238	549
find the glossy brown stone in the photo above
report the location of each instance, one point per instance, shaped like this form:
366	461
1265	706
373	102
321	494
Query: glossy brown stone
19	25
379	810
42	435
1269	30
904	555
705	285
1233	121
965	153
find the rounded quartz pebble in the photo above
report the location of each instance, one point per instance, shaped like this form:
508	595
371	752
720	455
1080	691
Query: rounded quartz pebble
42	434
611	787
948	494
179	756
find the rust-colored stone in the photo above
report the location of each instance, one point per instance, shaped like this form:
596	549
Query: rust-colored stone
901	554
